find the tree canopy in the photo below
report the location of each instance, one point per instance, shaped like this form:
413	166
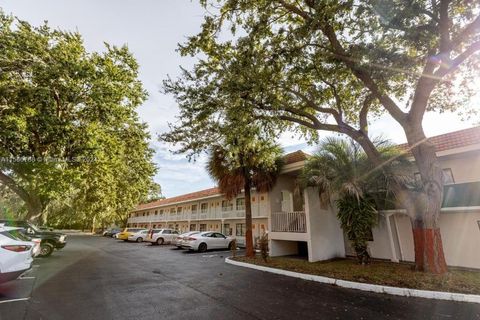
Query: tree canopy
70	134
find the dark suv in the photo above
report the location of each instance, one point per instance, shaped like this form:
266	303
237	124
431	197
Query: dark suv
49	240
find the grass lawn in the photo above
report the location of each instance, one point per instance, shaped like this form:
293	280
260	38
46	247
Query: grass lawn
377	272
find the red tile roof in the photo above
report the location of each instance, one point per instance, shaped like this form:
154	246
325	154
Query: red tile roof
296	156
181	198
453	140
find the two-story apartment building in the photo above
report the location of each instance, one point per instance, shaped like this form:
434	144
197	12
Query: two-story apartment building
299	223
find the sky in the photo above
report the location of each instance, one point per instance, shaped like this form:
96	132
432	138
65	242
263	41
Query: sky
152	29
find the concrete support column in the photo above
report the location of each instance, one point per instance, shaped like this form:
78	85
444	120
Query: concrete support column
390	239
325	236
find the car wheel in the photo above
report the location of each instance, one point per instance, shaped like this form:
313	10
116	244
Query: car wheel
139	239
230	246
160	241
46	249
202	247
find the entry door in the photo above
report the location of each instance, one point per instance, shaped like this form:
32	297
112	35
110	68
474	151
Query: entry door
287	201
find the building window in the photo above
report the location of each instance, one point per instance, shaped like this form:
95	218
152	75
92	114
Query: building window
240	205
203	227
172	211
204	207
253	199
447	176
161	211
262	198
144	214
227	205
179	210
193	227
240	229
194	208
227	230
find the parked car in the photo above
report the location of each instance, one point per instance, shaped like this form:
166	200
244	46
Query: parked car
19	235
161	236
45	228
49	240
181	238
111	232
204	241
16	256
127	232
138	236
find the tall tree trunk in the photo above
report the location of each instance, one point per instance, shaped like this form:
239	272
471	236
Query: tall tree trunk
429	254
248	219
423	207
32	201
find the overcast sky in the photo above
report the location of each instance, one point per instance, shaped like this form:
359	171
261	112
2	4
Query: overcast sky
152	29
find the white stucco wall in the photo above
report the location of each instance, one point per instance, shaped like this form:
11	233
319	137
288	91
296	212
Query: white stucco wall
324	231
460	236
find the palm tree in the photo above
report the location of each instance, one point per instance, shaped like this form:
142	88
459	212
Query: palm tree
341	168
245	164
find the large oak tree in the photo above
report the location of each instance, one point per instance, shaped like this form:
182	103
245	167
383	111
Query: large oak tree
70	136
336	66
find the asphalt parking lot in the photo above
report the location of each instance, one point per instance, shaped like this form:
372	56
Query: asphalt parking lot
102	278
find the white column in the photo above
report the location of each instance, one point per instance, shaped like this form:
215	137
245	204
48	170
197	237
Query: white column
390	239
325	236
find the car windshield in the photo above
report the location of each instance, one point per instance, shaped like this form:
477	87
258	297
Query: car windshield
19	235
34	227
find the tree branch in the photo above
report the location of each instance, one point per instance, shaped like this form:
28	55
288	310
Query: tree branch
313	105
466	33
294	9
32	202
444	27
455	63
364	113
361	74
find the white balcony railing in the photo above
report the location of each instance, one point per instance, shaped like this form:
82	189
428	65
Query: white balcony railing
289	222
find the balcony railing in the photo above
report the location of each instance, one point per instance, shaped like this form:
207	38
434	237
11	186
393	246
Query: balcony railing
289	222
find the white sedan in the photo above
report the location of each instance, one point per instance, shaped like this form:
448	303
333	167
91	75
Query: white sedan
207	240
138	236
181	238
161	236
16	256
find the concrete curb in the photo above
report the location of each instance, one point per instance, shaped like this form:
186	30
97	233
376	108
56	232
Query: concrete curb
405	292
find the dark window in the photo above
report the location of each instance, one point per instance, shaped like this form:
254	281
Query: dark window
227	230
461	195
240	229
447	176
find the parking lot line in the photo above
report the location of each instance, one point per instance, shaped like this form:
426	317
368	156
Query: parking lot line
14	300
